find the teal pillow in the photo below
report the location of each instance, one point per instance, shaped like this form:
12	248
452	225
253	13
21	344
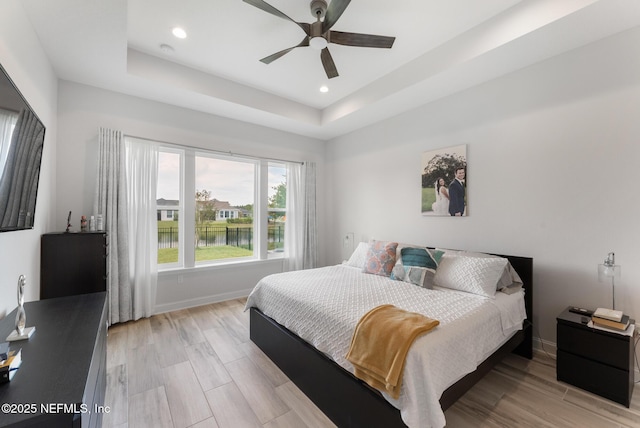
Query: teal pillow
417	257
417	265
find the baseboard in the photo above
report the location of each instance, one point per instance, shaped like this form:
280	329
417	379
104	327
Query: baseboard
200	301
545	346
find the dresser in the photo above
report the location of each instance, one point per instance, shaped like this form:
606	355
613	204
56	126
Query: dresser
73	263
594	360
62	379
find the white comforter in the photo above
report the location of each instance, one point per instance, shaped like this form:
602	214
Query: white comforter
323	306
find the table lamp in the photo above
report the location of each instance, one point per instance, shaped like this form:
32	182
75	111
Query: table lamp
609	270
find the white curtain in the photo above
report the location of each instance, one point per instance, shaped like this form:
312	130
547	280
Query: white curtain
110	202
141	160
300	248
132	280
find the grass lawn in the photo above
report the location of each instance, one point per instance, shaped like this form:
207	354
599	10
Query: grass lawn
170	255
428	198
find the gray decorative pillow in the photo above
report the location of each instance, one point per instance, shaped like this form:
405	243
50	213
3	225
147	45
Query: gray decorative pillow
476	275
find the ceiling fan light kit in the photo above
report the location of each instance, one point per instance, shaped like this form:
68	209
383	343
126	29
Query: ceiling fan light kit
319	33
318	42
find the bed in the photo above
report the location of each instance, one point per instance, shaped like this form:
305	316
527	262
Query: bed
304	320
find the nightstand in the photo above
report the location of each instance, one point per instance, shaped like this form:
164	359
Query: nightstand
594	360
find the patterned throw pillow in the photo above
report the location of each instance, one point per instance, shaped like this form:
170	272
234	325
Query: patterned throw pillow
416	265
381	257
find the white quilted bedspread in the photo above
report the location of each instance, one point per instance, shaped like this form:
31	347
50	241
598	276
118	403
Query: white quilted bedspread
323	306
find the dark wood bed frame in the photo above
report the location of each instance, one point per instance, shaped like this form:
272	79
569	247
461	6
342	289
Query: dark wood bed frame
348	401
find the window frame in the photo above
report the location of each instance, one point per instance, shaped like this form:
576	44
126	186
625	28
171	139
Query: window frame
247	160
187	207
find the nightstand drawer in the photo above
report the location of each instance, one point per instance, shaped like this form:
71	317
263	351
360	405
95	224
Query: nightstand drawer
598	346
609	382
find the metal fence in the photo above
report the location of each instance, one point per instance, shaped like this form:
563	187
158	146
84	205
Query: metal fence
211	236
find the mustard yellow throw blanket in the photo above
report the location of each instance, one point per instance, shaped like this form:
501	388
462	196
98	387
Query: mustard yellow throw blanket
380	344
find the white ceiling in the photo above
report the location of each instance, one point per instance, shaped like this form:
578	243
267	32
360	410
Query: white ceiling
442	47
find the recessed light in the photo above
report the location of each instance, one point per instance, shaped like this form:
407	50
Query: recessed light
179	32
324	89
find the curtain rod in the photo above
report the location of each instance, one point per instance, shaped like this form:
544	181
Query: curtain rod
228	153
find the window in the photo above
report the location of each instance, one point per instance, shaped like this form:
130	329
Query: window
221	185
276	208
219	223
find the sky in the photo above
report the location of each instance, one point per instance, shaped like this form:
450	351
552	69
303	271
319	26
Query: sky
231	181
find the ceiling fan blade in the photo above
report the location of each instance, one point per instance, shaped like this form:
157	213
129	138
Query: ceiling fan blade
334	12
269	59
328	64
361	40
260	4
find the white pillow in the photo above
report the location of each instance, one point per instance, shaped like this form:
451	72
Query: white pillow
477	275
509	278
359	256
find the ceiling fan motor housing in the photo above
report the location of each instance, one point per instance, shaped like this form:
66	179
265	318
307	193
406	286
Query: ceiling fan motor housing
318	8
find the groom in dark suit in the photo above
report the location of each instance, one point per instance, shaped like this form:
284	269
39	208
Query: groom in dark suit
456	193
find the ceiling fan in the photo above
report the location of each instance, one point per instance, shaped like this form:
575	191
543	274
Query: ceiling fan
319	34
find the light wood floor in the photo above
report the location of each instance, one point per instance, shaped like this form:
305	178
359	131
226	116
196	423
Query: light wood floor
198	368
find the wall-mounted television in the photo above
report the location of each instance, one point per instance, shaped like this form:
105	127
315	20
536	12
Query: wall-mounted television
21	141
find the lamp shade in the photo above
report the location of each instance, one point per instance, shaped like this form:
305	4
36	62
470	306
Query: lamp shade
607	271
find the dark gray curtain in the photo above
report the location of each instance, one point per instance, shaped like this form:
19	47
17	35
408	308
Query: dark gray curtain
19	182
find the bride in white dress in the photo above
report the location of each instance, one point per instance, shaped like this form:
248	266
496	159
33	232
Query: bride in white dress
441	205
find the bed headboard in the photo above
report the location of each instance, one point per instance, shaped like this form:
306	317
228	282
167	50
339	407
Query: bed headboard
524	267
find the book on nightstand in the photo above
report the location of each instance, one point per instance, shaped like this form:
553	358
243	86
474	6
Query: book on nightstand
616	325
9	368
608	314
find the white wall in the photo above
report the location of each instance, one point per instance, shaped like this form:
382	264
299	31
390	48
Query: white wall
24	60
82	109
553	174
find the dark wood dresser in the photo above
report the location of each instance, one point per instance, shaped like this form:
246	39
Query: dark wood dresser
594	360
62	379
73	263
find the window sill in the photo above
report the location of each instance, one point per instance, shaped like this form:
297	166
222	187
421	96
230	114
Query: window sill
224	265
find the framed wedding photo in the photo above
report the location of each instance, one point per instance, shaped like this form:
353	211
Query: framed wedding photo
444	182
